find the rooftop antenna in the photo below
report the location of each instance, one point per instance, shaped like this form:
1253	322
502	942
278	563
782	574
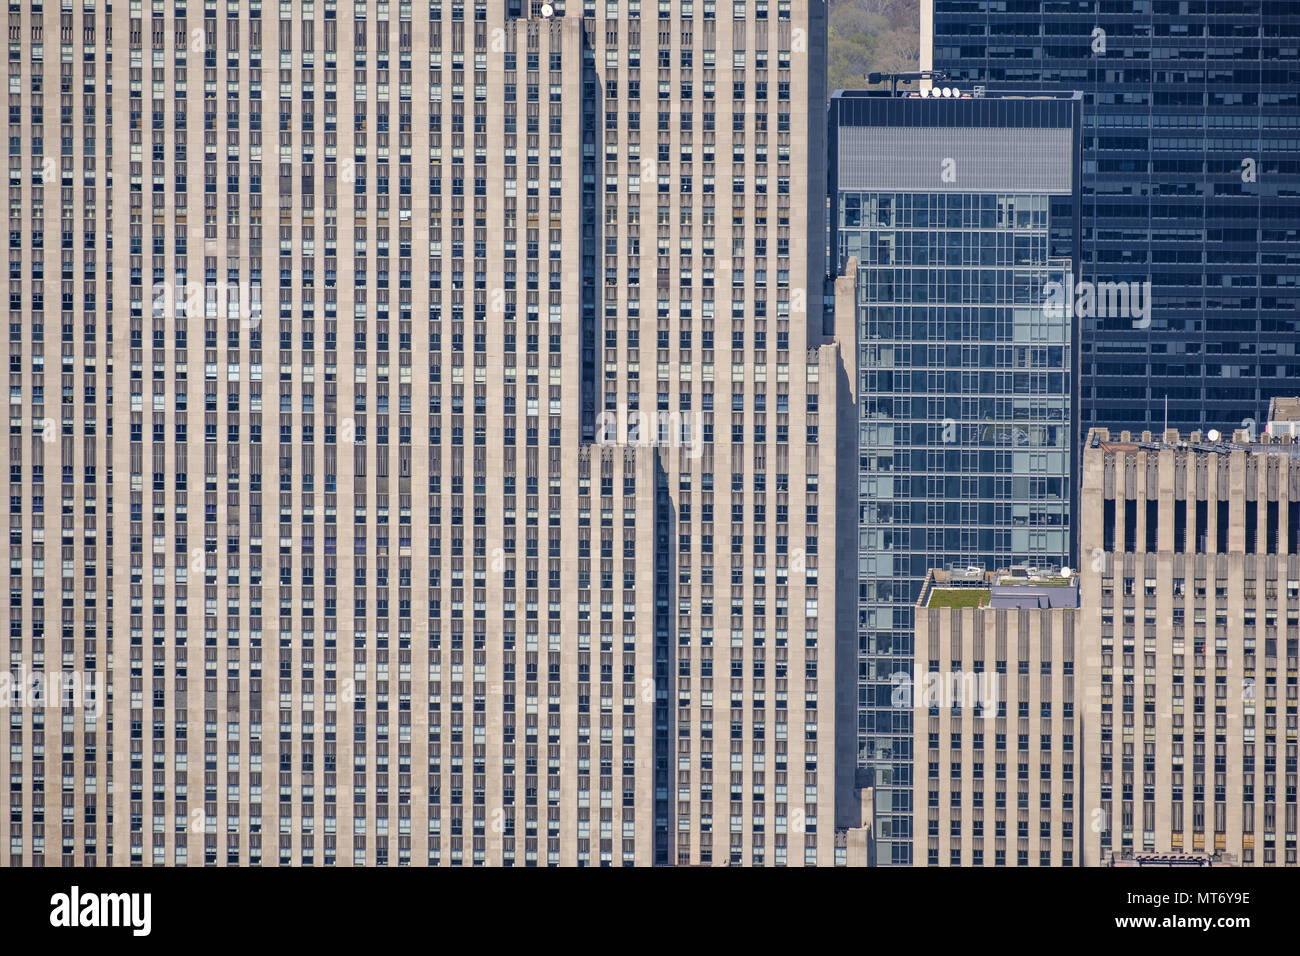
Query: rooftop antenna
893	78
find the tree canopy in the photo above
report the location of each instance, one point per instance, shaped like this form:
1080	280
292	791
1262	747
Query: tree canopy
869	36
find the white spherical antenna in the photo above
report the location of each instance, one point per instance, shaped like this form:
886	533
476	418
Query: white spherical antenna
548	10
1065	572
1213	434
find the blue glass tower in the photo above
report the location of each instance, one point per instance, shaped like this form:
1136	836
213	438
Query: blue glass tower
1191	181
963	215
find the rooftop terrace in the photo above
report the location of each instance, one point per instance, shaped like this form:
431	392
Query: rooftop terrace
1019	587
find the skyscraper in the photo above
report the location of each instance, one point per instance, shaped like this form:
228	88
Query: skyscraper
454	391
999	755
962	214
59	780
1190	588
1191	182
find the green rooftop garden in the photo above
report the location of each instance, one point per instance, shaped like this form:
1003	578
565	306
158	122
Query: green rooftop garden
958	597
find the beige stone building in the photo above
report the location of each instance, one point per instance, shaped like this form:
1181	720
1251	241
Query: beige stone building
1158	708
446	442
1191	605
997	727
58	776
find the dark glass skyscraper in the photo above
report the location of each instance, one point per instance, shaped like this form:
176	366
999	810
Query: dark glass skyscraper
962	214
1191	181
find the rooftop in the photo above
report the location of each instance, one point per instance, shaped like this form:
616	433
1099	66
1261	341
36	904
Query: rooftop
1284	409
1276	439
959	597
1016	587
962	91
1175	858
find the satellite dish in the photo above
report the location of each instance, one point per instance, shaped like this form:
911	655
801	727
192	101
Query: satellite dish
548	10
1065	572
1213	434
